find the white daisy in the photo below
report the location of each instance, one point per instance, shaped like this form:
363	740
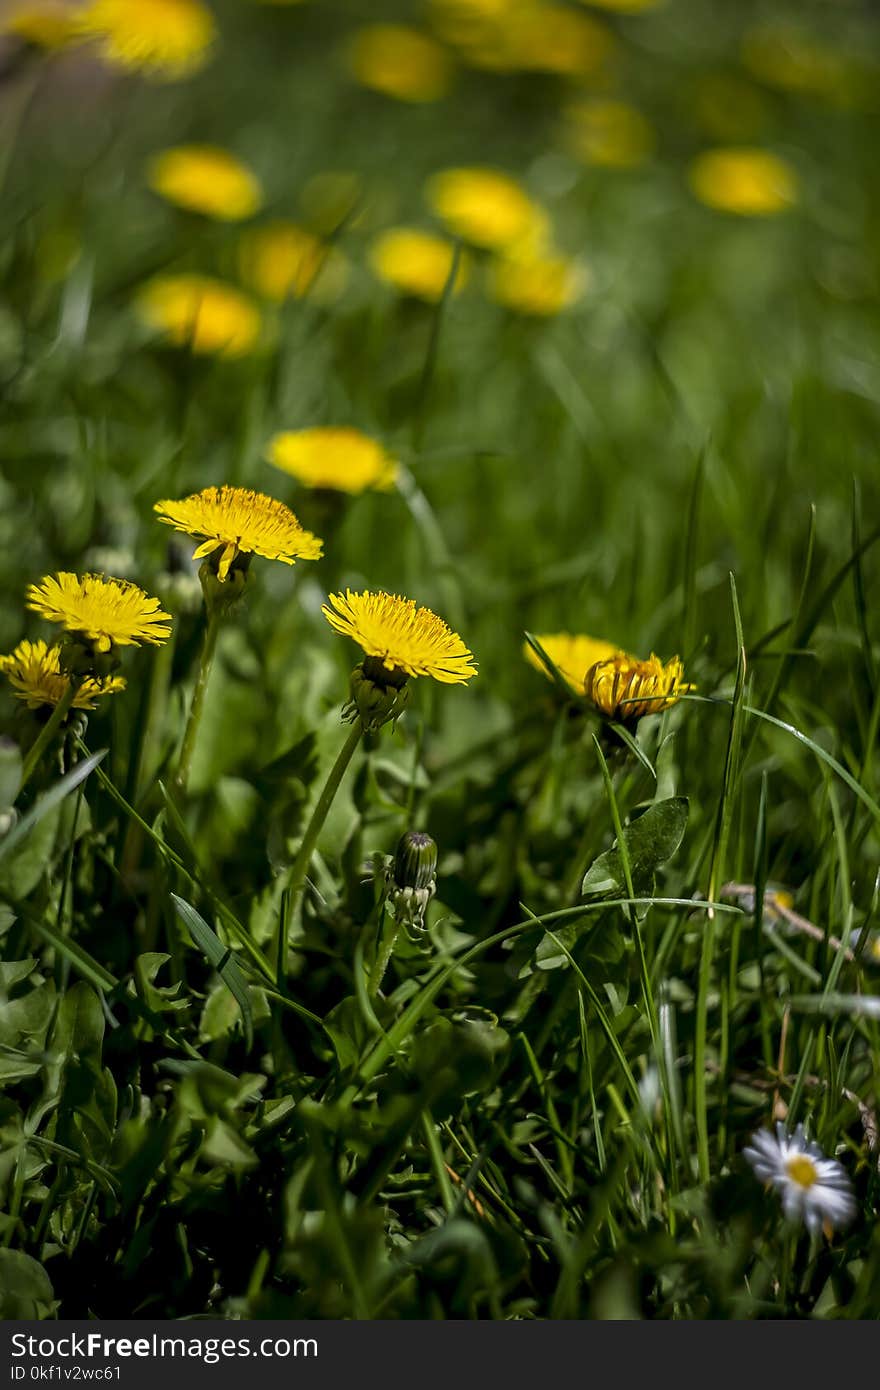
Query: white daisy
814	1189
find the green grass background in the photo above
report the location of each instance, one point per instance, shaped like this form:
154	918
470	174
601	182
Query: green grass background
709	410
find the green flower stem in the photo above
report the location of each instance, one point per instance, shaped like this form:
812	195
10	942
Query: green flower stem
300	866
196	709
47	733
384	951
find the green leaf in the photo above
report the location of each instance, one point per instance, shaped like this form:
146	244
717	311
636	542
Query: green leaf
651	839
221	958
25	1288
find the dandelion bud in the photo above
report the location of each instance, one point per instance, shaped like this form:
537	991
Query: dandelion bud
412	880
415	860
374	698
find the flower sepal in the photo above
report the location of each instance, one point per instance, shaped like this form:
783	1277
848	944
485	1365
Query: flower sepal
223	595
373	701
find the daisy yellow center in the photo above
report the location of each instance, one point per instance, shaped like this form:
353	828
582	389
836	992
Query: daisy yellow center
802	1170
236	520
404	638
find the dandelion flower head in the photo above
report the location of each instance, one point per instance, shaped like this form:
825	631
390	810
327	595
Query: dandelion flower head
204	315
401	636
34	672
281	260
164	39
48	24
571	653
416	263
536	285
400	62
109	612
237	521
627	688
813	1189
748	181
328	456
206	179
487	208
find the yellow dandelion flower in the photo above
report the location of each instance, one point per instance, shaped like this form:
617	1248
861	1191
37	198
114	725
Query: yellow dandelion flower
400	62
332	457
553	38
467	22
109	612
487	207
238	521
281	261
206	179
744	180
35	674
403	638
46	23
165	39
416	263
625	6
626	688
571	653
537	285
611	134
202	314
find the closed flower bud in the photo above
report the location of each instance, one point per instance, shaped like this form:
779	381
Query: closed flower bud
415	860
412	880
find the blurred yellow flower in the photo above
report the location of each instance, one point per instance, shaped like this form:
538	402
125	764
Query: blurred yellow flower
749	181
47	23
609	133
467	22
540	285
552	38
571	653
165	39
416	263
406	640
109	612
784	56
400	62
626	688
236	520
624	6
202	314
487	208
206	179
35	674
329	456
282	260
